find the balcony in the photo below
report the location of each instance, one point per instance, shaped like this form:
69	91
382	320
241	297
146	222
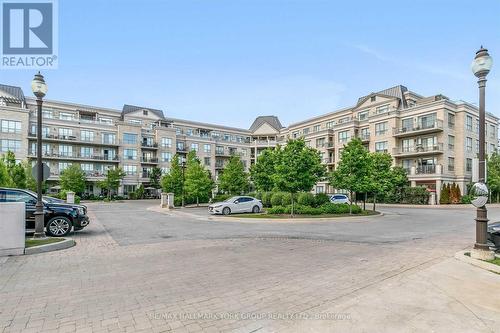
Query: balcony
425	170
418	150
73	156
328	161
149	145
149	160
222	153
72	139
219	166
420	128
364	137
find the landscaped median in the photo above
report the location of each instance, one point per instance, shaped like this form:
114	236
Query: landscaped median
490	265
47	244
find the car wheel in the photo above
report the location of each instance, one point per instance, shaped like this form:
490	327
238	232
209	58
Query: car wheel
255	209
226	211
58	226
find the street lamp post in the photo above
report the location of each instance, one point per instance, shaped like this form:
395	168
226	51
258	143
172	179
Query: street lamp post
481	66
39	88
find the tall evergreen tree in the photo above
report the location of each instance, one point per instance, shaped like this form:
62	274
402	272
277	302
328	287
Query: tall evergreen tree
234	179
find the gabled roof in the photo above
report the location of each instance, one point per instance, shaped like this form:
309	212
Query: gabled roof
17	92
397	91
132	108
273	121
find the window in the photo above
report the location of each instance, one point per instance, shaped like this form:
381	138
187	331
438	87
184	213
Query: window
406	145
45	148
130	169
86	152
427	121
492	131
189	131
451	164
86	135
10	145
145	112
47	114
108	138
451	142
166	156
329	124
468	144
206	161
194	146
165	170
363	115
451	120
295	134
344	120
320	142
63	166
477	126
320	189
134	121
180	146
468	164
45	131
316	128
65	150
468	123
365	134
382	109
381	128
373	98
343	136
87	167
66	116
305	131
407	164
492	148
17	196
129	138
106	121
130	154
178	131
166	142
477	145
381	146
207	148
65	133
11	126
219	150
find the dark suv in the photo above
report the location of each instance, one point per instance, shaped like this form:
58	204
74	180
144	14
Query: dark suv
59	217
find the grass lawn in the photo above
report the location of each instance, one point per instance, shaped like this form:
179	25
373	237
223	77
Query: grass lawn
35	242
299	216
495	261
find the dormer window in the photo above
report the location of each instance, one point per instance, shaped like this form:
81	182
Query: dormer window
145	112
373	98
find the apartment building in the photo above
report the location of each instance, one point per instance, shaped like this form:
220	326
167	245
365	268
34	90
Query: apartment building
433	138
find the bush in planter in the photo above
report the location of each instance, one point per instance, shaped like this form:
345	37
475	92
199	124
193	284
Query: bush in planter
307	210
415	195
278	210
306	199
466	199
287	199
331	208
320	199
132	196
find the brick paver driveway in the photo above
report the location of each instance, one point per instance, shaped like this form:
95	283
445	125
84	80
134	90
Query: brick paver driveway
139	270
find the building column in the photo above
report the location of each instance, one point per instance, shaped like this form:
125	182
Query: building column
413	183
439	184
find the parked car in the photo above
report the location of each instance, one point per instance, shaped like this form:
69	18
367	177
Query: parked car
339	199
494	234
240	204
60	217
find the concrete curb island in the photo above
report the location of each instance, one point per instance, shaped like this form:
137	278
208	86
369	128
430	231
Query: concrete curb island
476	262
65	244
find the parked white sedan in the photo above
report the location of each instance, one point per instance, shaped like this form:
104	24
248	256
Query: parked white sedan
339	199
241	204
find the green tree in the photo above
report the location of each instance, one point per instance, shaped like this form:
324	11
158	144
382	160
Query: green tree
198	183
234	179
262	171
139	192
445	195
5	179
112	180
353	170
154	177
16	170
493	175
381	178
172	181
73	179
297	168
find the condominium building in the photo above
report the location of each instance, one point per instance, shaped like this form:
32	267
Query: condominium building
433	138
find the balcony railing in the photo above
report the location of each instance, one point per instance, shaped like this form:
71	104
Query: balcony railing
425	169
328	161
364	137
73	138
149	145
70	156
419	149
149	160
426	126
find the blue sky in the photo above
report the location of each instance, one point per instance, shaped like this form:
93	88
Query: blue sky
228	61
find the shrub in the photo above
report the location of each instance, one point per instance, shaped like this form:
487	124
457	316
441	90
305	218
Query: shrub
177	201
287	199
415	195
331	208
277	199
106	199
220	197
466	199
266	199
307	210
258	195
306	199
132	196
320	199
277	210
445	195
77	199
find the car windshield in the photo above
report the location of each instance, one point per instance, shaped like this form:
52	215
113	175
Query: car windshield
231	199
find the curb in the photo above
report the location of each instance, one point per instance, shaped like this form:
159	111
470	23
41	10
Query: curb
67	243
290	220
476	262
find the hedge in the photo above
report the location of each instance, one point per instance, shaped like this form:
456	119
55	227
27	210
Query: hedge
328	208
